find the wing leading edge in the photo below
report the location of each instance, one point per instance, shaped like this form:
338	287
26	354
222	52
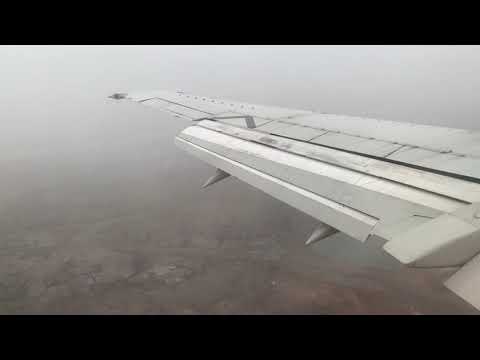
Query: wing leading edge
349	174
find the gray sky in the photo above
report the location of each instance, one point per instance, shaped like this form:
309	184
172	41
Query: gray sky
430	84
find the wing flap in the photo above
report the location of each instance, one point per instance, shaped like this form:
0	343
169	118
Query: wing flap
439	184
348	220
445	241
379	198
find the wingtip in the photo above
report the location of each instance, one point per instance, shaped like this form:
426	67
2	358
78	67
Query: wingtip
118	96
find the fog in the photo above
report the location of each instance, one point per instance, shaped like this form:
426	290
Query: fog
101	213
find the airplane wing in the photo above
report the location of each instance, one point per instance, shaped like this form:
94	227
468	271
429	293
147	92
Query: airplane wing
415	187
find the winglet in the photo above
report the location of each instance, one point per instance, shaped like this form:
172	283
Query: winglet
219	175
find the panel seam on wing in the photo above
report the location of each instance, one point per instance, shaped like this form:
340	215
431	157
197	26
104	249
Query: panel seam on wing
372	219
338	165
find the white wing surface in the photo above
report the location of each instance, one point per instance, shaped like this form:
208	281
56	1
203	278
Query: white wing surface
416	187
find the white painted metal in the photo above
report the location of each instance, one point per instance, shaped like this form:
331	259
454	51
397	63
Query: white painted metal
176	109
352	222
338	140
448	240
448	162
439	184
357	144
466	282
393	230
444	241
378	197
271	126
217	106
440	139
230	113
297	132
241	121
463	145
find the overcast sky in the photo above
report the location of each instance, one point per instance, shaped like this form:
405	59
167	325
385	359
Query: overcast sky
429	84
